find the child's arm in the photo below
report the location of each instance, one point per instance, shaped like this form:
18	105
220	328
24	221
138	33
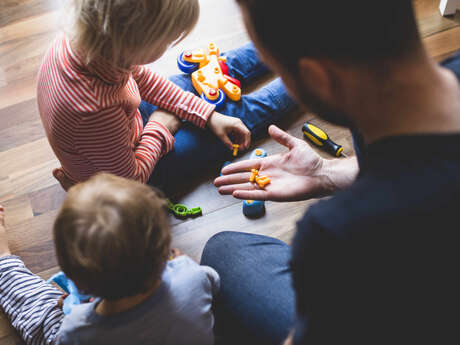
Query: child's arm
29	302
163	93
105	140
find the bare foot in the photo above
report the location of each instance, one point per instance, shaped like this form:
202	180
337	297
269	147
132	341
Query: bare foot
63	180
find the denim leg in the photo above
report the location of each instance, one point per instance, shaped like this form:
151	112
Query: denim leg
244	63
256	301
453	63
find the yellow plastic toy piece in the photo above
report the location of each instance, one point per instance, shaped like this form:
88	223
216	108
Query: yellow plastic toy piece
254	174
208	79
235	149
262	181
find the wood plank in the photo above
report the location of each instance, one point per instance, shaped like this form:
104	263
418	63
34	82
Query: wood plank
280	218
430	20
22	58
17	210
443	43
12	11
46	22
46	199
32	240
17	91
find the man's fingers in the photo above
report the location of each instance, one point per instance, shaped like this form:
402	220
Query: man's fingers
232	179
281	136
242	166
256	194
229	189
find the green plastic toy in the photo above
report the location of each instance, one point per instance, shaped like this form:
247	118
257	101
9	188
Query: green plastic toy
181	211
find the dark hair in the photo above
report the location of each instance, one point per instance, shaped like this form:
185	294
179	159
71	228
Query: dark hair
351	30
112	236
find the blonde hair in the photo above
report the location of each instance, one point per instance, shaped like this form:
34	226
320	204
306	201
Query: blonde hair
112	236
123	31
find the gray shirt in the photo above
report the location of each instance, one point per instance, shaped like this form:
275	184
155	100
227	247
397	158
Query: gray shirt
179	312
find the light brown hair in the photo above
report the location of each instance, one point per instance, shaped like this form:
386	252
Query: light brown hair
112	236
123	31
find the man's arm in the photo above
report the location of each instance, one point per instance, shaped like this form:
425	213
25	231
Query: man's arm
298	174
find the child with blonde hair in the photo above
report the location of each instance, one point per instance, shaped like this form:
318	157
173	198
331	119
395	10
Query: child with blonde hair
103	110
112	238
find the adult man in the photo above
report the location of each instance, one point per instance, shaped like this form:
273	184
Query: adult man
374	263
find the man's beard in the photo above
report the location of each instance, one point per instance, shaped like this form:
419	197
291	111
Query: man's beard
325	111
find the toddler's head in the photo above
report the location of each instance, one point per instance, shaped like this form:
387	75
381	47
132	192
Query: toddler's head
112	236
130	32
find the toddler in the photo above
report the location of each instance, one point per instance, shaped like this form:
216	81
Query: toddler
98	102
112	238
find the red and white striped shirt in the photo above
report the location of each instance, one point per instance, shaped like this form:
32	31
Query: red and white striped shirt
91	117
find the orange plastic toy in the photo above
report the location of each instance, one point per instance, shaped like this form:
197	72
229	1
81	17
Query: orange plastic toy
212	74
262	181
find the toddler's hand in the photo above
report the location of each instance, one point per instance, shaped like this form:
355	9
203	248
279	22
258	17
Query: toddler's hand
4	249
170	121
223	126
175	252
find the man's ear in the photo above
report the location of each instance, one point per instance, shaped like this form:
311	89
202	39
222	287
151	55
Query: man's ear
316	77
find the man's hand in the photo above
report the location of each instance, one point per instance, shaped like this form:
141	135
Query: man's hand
169	120
4	248
224	126
298	174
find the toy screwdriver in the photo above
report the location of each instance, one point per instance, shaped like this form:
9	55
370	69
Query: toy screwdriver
320	138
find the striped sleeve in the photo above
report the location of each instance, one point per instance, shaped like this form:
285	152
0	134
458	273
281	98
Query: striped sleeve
163	93
29	302
104	139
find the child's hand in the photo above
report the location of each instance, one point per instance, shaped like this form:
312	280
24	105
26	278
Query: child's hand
4	249
170	121
175	252
223	126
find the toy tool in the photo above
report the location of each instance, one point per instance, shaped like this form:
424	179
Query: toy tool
74	297
209	73
182	211
320	138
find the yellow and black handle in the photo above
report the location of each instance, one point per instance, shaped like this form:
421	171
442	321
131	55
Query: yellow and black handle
319	137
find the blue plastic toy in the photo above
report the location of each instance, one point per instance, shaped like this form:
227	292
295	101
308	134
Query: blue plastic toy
258	153
255	208
74	297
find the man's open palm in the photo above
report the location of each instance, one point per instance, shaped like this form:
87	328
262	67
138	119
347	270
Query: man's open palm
295	175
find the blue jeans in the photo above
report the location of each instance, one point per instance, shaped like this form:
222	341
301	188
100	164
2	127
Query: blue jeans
196	148
256	303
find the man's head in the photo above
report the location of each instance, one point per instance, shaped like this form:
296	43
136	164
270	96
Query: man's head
130	32
319	47
112	236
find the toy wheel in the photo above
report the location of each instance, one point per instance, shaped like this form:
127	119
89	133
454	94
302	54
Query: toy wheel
185	66
217	102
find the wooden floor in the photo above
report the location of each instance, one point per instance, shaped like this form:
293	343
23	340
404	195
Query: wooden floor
30	194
